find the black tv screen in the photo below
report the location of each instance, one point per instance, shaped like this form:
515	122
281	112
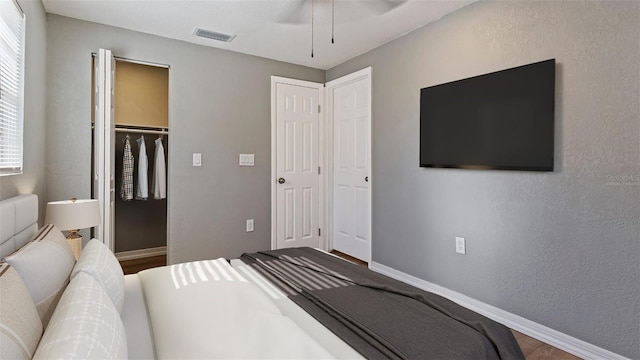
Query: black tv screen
502	120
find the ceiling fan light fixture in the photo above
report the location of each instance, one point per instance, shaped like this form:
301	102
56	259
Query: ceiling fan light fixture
213	35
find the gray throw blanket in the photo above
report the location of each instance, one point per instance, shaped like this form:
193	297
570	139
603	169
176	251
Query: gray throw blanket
380	317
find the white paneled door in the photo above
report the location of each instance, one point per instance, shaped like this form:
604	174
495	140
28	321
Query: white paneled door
350	109
104	144
297	176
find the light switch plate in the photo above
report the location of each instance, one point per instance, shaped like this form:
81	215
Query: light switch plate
246	160
197	159
461	245
249	225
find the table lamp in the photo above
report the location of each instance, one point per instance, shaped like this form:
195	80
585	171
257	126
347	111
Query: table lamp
72	215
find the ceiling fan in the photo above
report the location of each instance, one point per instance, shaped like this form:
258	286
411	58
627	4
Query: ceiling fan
301	12
298	11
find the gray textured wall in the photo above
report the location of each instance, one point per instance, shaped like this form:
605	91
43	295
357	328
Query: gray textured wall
561	248
219	105
32	180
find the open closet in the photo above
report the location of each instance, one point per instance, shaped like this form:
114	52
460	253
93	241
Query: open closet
134	140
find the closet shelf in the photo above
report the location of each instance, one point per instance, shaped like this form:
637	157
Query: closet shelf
159	131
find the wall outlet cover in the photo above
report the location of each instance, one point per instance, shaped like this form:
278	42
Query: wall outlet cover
249	225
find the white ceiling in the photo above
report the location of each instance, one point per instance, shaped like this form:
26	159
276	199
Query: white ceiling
274	29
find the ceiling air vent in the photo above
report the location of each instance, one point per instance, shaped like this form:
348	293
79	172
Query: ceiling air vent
213	35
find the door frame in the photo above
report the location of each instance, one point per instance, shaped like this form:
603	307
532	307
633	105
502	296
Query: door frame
275	80
328	147
99	150
325	154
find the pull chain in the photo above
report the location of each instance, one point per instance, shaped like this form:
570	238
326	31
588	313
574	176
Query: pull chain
333	18
312	28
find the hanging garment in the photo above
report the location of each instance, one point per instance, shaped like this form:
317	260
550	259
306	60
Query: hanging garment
142	188
126	186
159	182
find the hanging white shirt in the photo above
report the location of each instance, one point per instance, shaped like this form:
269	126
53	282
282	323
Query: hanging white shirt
142	187
159	172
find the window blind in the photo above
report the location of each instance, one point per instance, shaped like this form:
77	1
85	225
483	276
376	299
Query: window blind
12	25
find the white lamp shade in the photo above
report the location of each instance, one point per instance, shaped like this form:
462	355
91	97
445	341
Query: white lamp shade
73	214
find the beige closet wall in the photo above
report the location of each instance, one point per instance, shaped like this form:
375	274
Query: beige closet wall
142	95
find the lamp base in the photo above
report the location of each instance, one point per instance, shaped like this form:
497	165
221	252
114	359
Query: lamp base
75	242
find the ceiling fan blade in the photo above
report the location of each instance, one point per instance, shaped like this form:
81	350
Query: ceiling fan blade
296	13
380	7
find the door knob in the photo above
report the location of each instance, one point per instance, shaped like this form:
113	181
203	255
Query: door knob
281	180
366	179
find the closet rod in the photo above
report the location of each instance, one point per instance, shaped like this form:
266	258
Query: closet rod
141	131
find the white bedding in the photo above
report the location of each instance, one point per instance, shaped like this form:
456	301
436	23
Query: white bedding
206	309
336	346
195	310
136	320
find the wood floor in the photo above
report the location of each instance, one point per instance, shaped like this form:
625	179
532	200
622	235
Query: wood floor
537	350
531	348
348	257
136	265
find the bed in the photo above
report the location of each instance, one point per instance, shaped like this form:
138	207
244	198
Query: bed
285	304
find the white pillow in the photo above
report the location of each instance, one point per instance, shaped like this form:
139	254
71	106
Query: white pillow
20	324
51	232
44	265
99	262
85	325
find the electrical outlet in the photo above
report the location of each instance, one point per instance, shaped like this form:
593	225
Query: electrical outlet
197	159
461	245
249	225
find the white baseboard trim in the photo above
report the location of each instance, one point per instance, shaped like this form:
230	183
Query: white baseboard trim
141	253
545	334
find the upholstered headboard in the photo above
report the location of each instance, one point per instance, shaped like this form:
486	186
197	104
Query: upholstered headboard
18	222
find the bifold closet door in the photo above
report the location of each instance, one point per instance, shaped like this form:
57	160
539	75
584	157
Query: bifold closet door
104	144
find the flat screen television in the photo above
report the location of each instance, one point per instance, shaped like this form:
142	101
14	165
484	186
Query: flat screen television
503	120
